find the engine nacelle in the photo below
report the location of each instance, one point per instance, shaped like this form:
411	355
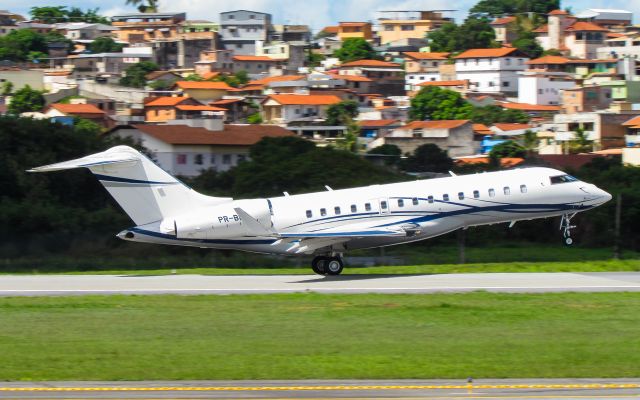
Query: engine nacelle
217	222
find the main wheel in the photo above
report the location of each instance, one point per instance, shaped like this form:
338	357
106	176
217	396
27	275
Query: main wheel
318	265
568	241
333	266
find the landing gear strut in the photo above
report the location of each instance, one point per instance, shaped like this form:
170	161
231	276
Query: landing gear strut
324	265
565	227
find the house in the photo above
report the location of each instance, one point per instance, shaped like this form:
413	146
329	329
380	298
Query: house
371	129
290	33
9	22
491	70
453	136
240	29
214	60
585	98
83	31
85	111
542	88
165	108
255	65
511	129
144	27
533	110
607	18
460	86
397	25
357	83
505	29
286	108
205	91
423	67
605	128
166	77
387	77
359	30
571	36
90	65
236	109
188	147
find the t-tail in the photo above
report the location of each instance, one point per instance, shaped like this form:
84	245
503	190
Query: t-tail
145	191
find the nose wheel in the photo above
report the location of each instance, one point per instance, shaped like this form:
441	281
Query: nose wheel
323	265
565	227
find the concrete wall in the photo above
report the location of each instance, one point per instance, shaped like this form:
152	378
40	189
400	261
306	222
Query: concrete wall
120	94
21	78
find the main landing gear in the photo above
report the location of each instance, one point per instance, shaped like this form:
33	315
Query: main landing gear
325	265
565	227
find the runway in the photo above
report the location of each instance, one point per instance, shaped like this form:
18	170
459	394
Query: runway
309	389
57	285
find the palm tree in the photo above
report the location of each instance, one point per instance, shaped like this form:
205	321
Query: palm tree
530	141
144	6
581	142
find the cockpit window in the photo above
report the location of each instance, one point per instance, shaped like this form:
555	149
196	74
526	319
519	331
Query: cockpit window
562	179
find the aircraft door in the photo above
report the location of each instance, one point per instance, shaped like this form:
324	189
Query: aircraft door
383	204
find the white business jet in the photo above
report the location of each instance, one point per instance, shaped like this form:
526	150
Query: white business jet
329	223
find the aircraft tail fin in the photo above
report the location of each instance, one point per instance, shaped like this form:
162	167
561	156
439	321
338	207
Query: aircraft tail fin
145	191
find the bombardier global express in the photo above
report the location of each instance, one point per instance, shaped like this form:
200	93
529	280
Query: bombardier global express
329	223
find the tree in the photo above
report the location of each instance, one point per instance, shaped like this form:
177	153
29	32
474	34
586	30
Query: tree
91	16
105	45
255	118
26	100
489	115
581	142
17	44
435	103
391	151
507	149
240	78
341	113
474	33
49	14
526	42
144	6
7	88
135	74
428	158
498	8
314	59
531	142
354	49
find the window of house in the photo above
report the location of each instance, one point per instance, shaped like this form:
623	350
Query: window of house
523	188
309	214
230	17
445	197
383	205
198	159
259	66
507	61
408	27
388	27
434	63
252	16
507	190
354	208
241	158
477	61
226	159
400	203
461	196
492	193
505	84
476	194
297	111
414	201
212	159
323	212
430	199
367	206
181	159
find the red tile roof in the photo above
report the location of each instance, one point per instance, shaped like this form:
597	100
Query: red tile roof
232	135
282	78
225	101
633	121
482	129
504	21
441	124
528	107
462	82
504	162
542	29
77	108
558	12
210	75
426	56
157	74
370	63
586	26
487	53
188	107
549	60
351	78
354	23
203	85
253	58
377	122
165	101
331	29
505	127
304	99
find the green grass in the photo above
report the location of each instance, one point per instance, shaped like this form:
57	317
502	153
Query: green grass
298	336
569	266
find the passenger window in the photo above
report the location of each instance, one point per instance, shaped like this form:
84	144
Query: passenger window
523	188
367	206
461	196
445	197
323	212
476	194
337	210
354	208
383	205
400	203
309	214
507	191
430	199
492	193
415	201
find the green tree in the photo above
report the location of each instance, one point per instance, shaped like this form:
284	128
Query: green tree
105	45
435	103
135	74
314	59
354	49
17	45
526	42
445	38
238	79
255	118
49	14
428	158
474	33
507	149
91	16
341	113
26	100
391	151
86	127
581	142
492	114
144	6
7	88
498	8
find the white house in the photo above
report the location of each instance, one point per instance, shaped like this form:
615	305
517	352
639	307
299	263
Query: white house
491	70
543	88
285	108
422	67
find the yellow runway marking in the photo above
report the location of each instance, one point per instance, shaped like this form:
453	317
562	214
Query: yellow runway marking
309	388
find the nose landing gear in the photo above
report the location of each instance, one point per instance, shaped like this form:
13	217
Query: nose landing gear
565	227
324	265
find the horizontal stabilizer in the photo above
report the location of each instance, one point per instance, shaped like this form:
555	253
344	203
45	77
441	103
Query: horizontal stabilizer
93	160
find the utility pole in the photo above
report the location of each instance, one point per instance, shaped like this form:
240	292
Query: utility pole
616	233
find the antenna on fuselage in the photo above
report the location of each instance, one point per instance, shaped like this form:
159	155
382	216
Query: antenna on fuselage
328	188
452	173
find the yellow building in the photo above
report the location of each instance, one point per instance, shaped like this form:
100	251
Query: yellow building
361	30
394	29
